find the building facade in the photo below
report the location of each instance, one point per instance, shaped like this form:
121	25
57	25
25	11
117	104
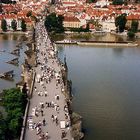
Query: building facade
71	22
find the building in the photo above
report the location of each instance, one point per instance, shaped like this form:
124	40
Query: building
71	22
132	17
69	4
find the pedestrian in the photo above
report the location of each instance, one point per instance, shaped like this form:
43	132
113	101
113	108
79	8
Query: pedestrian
52	118
57	108
55	117
63	134
52	104
57	97
66	116
38	93
44	122
56	121
45	93
41	93
41	112
35	88
42	104
46	135
67	124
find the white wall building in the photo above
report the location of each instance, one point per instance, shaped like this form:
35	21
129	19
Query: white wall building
108	26
102	3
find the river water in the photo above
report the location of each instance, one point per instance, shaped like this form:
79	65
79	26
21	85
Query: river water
7	45
106	88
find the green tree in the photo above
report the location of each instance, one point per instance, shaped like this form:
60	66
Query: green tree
134	26
120	22
54	23
23	25
131	34
14	102
118	2
15	127
3	127
4	25
87	27
60	27
91	1
14	98
8	2
1	10
14	25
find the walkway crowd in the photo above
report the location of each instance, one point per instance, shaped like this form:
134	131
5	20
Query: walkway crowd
48	116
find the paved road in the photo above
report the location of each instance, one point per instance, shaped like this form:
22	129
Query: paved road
48	81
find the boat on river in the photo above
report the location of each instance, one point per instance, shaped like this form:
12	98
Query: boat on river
66	42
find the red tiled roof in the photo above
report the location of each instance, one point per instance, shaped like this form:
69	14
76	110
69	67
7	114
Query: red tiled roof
68	2
1	17
28	20
71	19
10	16
133	17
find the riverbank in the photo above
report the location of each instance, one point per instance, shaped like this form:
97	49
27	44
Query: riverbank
11	32
87	37
107	44
98	43
16	32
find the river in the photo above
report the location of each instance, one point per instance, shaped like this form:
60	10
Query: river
7	45
106	88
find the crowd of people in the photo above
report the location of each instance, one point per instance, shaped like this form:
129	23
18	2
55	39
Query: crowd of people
50	107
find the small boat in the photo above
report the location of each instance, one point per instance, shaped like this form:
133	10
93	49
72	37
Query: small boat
66	42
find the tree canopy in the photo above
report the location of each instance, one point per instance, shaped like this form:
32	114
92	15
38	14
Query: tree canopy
14	101
4	25
23	25
133	29
54	23
131	34
3	127
8	2
14	25
134	26
120	22
118	2
90	1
